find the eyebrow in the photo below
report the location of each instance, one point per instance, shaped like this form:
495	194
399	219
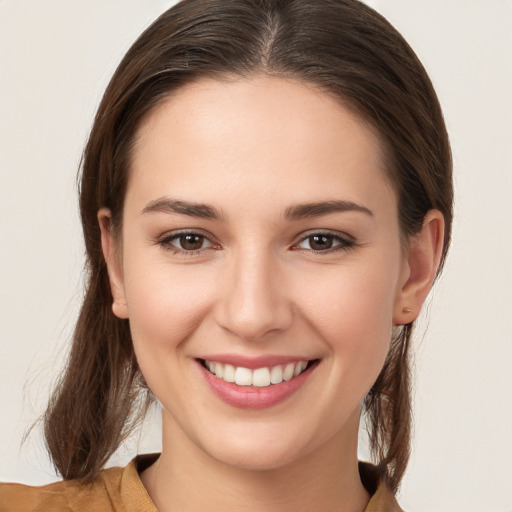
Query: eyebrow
294	212
305	210
169	205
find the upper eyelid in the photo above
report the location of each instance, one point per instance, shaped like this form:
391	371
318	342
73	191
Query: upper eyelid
329	232
184	232
300	237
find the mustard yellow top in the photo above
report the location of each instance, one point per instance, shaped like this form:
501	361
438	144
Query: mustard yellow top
121	490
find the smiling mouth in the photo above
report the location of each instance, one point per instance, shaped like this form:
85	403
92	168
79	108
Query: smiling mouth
258	377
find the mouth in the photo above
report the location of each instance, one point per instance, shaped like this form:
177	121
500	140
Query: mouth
255	382
263	377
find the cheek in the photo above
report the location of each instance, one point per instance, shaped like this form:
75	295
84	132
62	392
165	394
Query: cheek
353	315
165	303
165	309
359	298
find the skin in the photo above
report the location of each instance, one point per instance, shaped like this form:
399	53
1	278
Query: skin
251	149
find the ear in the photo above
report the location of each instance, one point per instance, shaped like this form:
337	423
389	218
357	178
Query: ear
420	267
112	256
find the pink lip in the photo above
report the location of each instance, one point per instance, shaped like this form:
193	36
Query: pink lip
248	397
253	362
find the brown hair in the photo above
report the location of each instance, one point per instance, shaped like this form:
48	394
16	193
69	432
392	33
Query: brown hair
343	47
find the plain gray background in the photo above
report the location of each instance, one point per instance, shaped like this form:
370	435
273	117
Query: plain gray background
56	57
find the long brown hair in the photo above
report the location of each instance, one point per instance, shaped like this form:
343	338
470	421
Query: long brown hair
341	46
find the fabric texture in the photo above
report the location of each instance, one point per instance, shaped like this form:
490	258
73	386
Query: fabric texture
121	490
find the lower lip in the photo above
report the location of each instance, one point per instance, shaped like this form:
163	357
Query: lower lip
250	397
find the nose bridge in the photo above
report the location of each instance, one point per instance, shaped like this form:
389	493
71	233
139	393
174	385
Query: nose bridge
254	301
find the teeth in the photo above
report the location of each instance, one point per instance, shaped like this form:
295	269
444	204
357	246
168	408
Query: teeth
276	375
261	377
219	370
299	368
288	371
229	373
243	376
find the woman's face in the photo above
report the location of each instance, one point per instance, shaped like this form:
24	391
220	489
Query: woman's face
260	235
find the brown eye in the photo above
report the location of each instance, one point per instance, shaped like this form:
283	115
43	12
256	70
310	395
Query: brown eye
320	242
324	242
191	242
186	243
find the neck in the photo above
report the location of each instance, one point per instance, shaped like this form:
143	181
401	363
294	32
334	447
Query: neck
186	478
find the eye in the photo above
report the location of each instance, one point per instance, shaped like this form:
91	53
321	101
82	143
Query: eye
186	243
324	242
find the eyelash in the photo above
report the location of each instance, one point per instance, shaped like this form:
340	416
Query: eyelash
166	243
344	243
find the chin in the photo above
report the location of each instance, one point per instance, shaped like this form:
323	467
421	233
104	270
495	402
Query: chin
258	451
256	459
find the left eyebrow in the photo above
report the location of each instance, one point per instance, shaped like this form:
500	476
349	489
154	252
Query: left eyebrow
304	210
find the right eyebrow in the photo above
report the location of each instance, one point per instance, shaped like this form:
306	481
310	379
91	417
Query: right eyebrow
192	209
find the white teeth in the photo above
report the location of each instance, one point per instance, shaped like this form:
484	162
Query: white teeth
276	375
219	370
288	371
299	368
229	373
243	376
260	377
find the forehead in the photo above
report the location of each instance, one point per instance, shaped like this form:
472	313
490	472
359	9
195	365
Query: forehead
215	136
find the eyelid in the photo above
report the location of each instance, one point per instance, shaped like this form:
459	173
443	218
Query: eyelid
165	241
346	241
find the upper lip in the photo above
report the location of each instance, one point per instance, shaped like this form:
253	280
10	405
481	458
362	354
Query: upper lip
253	363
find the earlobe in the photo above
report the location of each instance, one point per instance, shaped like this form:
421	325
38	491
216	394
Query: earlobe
113	261
423	258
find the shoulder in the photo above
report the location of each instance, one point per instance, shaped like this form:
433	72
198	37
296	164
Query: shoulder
114	490
100	495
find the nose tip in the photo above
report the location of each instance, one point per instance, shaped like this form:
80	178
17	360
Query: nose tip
254	302
250	323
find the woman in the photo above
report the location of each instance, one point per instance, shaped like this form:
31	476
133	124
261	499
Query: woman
266	201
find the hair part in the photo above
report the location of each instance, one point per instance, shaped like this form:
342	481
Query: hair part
342	47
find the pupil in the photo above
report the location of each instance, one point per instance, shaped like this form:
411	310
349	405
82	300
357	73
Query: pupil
191	242
321	242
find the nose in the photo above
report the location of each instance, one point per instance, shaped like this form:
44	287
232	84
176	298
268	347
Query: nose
254	300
